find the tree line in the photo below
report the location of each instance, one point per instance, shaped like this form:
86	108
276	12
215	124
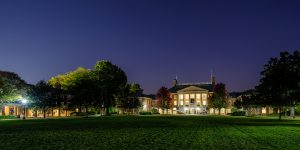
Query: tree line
279	85
103	87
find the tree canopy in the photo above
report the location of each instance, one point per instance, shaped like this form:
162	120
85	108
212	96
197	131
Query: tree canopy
110	79
219	98
280	82
164	98
12	87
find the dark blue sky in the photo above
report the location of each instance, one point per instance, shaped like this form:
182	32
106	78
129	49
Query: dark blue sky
150	40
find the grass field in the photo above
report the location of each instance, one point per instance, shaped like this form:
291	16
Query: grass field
151	132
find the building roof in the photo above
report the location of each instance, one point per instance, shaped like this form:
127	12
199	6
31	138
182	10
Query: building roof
206	86
152	96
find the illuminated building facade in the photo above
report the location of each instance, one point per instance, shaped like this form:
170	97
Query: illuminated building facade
191	98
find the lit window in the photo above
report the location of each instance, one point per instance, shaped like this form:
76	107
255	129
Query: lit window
198	102
175	102
181	102
192	96
174	96
204	102
181	96
198	96
204	96
186	96
186	102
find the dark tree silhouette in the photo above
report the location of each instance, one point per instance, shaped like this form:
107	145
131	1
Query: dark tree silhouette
164	99
110	80
219	98
280	82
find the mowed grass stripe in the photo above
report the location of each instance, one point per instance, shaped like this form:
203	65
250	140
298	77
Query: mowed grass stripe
150	132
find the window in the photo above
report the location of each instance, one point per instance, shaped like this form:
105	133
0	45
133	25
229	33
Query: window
198	102
204	96
181	96
192	96
186	97
198	96
186	102
181	102
174	96
175	102
204	102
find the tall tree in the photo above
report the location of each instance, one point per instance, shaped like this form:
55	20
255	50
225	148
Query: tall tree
280	82
219	98
11	86
127	98
42	96
62	101
110	80
164	99
134	92
80	84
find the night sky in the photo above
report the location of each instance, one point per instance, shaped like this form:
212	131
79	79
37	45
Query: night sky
150	40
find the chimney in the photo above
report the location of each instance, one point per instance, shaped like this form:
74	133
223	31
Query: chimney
212	79
174	82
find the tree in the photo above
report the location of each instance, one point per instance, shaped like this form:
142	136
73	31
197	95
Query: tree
164	99
56	83
110	79
250	101
42	96
11	86
128	97
80	84
219	97
134	92
238	103
280	82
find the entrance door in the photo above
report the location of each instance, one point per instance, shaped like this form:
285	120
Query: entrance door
193	111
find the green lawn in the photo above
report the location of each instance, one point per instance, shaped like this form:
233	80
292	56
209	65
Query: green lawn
150	132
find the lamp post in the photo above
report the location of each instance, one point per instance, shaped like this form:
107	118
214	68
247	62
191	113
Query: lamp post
24	102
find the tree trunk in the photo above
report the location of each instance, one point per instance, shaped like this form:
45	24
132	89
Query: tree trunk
219	111
44	112
292	113
285	112
86	111
279	112
36	113
107	111
66	112
52	111
58	110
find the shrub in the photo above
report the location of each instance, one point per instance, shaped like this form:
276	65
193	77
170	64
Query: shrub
155	111
145	113
238	113
8	117
82	113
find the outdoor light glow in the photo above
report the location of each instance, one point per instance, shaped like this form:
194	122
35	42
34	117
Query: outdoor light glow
24	101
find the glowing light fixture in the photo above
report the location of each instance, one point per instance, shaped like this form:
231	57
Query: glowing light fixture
24	101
